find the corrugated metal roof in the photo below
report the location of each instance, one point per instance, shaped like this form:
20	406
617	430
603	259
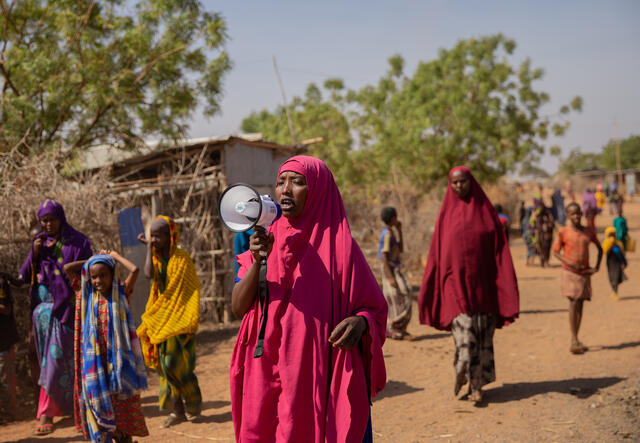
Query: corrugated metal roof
100	156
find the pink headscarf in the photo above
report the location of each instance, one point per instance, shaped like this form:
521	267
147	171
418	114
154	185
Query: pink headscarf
303	389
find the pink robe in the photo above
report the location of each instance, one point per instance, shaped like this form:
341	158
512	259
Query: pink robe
303	389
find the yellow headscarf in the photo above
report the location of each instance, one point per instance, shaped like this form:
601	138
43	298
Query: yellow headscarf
176	310
610	240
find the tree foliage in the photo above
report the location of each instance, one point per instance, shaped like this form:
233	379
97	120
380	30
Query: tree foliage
75	73
629	153
469	106
577	160
313	116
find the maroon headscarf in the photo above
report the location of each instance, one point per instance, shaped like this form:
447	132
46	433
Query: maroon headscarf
469	269
71	246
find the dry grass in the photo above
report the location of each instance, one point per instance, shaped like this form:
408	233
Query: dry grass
24	183
417	212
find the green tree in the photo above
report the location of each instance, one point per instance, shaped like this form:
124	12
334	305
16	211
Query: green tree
577	160
76	73
629	153
312	116
469	106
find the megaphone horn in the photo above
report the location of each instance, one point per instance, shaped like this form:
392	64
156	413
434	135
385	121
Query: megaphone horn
241	208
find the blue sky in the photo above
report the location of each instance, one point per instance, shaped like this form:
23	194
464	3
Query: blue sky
587	48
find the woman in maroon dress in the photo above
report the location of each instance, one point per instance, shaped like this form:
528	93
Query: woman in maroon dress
469	285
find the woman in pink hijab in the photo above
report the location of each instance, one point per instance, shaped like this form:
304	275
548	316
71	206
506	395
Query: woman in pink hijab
326	318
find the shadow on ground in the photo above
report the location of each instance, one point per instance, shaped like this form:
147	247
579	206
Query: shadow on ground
395	388
209	339
543	311
631	344
49	439
150	409
579	387
65	422
431	336
632	297
215	418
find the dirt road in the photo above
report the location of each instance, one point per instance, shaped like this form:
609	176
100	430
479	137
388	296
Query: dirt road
542	392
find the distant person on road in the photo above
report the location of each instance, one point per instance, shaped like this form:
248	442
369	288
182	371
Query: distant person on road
569	190
543	224
573	241
523	212
469	285
590	208
557	207
394	286
601	198
504	219
528	236
622	232
616	261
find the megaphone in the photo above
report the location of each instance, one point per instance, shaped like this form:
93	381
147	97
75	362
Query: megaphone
241	208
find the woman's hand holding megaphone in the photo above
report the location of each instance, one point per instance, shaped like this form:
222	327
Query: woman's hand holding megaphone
260	243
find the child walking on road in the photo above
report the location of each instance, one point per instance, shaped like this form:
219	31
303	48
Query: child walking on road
616	261
574	241
394	286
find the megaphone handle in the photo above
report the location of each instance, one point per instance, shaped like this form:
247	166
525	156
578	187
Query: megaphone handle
263	299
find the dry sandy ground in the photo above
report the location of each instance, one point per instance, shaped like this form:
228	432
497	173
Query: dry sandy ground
542	393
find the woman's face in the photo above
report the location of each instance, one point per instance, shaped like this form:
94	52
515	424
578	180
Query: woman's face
101	278
460	183
291	193
160	239
50	224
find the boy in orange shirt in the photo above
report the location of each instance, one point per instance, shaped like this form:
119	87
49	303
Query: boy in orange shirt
574	241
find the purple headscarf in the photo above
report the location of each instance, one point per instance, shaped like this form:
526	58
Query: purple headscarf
48	270
589	203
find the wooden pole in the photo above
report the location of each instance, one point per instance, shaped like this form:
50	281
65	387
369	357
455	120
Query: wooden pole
618	163
284	101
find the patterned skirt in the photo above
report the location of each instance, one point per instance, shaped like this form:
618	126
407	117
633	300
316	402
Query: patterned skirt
473	360
399	302
128	409
177	361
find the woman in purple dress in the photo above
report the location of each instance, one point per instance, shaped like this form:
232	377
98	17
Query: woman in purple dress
52	309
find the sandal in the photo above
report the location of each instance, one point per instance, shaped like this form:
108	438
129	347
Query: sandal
476	396
44	429
395	335
576	349
193	418
173	419
408	337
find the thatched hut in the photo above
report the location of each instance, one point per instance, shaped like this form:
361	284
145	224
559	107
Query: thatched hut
184	181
